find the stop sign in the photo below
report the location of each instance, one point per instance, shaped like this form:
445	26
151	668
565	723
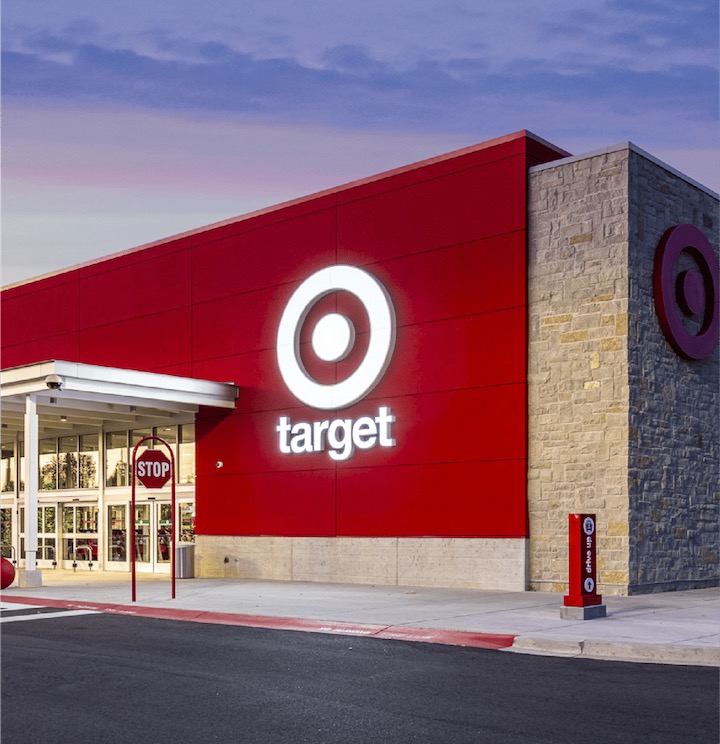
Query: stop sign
153	468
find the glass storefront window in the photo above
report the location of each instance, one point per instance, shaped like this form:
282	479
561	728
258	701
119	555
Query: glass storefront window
48	464
116	459
6	532
136	436
7	472
187	522
168	433
89	461
186	454
21	470
117	533
68	462
46	519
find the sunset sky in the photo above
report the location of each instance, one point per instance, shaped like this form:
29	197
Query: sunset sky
125	123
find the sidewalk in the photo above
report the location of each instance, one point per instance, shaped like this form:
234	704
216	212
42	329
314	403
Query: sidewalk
669	628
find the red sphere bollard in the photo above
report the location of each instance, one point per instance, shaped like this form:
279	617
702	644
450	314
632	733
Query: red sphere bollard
7	574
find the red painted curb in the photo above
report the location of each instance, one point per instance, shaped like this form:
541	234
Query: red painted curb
388	632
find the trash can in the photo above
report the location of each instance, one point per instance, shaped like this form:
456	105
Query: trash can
185	560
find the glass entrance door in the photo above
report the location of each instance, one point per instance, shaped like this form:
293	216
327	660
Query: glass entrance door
46	556
80	536
153	533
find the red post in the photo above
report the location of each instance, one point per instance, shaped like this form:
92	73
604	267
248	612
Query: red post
173	532
153	480
582	556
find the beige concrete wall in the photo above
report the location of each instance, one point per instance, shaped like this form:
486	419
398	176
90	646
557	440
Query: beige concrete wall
578	364
467	563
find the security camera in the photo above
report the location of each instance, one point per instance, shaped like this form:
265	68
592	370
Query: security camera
54	382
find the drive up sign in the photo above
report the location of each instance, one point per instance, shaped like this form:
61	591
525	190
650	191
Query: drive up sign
153	469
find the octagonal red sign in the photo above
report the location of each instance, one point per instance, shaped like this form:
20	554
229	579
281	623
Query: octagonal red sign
153	468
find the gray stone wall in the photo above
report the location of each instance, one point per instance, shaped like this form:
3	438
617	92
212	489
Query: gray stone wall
577	365
674	408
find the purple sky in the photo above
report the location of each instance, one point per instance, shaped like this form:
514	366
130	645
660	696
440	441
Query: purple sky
124	123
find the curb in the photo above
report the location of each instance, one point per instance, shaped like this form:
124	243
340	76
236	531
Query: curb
469	639
650	653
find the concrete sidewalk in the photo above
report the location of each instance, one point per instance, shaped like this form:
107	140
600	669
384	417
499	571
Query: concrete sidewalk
669	628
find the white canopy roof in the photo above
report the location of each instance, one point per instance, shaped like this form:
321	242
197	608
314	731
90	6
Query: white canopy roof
73	397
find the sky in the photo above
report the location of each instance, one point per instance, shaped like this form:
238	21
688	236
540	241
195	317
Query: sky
125	123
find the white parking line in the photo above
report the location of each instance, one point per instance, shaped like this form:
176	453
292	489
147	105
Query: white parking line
46	615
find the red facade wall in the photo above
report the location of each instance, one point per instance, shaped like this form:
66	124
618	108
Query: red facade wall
446	238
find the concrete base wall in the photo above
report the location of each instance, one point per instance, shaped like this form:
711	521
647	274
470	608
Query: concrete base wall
462	563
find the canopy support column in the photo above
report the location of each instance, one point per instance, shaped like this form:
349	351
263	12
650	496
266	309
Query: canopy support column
31	576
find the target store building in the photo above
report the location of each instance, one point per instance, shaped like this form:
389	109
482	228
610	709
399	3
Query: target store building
412	379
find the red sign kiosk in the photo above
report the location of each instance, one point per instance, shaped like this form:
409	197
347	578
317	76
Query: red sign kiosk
582	601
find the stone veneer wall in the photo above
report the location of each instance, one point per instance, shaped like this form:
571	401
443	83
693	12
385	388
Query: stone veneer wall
452	562
618	423
578	364
674	404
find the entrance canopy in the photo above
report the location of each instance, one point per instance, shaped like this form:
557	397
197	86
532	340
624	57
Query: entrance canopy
71	396
56	398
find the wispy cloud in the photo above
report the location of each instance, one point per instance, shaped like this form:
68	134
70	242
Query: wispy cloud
347	85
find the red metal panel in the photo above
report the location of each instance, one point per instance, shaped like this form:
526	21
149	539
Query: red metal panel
250	259
248	443
64	346
133	256
306	205
454	499
148	343
131	290
40	310
237	324
286	504
471	351
444	165
464	425
470	278
467	206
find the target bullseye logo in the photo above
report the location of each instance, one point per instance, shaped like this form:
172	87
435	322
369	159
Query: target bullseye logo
333	337
686	291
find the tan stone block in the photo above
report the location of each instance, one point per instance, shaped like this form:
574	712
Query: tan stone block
557	319
621	324
618	529
573	337
611	344
581	238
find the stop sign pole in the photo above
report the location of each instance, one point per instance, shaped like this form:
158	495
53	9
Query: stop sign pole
154	476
